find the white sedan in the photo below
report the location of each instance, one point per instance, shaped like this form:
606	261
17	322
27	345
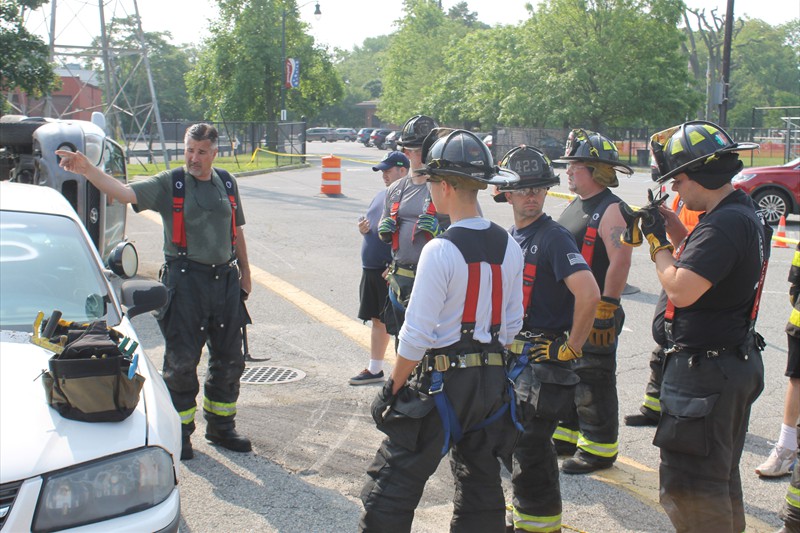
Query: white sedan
59	474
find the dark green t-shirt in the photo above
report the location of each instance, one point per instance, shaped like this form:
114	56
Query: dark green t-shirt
206	212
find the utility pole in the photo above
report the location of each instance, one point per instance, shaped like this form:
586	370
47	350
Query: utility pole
726	65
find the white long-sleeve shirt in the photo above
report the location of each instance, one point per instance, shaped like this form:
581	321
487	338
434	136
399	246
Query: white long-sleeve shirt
433	317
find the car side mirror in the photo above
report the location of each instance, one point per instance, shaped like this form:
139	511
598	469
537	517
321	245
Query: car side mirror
142	295
124	260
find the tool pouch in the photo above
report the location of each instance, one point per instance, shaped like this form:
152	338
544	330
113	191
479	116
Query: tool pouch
546	390
88	380
403	423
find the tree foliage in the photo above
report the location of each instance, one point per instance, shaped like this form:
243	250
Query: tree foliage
239	72
24	60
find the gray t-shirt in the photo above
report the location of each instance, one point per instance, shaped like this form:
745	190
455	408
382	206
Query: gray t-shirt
414	201
206	213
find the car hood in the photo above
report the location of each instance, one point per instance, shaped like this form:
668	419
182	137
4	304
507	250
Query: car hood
34	438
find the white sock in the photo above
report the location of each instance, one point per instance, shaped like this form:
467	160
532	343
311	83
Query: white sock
375	366
788	438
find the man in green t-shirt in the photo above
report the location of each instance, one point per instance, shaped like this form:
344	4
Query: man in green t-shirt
207	273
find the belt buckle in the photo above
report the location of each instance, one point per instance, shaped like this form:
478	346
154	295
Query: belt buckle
462	361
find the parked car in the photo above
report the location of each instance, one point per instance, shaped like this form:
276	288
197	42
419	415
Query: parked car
59	473
321	134
775	189
346	134
390	143
487	140
378	137
363	135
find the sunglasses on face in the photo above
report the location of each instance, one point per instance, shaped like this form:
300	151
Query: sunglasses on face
527	191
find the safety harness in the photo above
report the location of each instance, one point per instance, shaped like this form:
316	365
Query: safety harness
476	246
669	313
178	198
589	238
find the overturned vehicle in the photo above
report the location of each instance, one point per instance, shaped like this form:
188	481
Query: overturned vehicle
27	155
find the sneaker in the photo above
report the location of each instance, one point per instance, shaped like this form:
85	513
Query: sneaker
365	377
779	463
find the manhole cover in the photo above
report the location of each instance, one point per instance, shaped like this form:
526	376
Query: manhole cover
265	375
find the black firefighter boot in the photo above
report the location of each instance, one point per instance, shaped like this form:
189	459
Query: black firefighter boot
226	436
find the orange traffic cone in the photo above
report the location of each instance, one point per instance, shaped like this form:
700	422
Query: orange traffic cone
778	243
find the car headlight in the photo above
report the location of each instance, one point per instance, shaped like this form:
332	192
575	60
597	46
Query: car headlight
116	486
741	176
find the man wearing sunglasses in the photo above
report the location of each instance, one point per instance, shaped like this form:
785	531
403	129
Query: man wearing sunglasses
551	336
595	220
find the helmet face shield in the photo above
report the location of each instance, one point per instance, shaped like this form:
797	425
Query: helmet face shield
461	154
691	145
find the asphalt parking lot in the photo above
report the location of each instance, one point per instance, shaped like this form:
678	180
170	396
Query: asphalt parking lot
313	437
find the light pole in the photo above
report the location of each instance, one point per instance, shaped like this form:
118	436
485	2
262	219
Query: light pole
317	15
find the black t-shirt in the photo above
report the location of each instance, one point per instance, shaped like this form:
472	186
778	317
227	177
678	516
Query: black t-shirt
576	219
557	257
727	248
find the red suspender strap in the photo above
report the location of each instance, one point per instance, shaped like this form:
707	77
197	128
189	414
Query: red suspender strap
396	234
473	289
528	279
497	296
587	250
178	196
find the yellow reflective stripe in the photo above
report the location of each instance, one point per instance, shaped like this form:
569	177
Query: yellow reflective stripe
794	318
652	403
677	146
796	258
187	416
598	448
696	137
567	435
539	524
219	408
793	497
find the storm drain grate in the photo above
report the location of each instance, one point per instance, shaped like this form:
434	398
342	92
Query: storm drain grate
265	375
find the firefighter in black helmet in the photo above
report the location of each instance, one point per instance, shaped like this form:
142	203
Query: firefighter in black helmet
409	221
705	316
449	388
595	220
551	336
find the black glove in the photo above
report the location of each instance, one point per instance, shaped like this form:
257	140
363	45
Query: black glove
654	232
383	401
557	350
632	236
604	329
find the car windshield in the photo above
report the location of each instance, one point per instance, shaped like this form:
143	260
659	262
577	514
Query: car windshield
45	265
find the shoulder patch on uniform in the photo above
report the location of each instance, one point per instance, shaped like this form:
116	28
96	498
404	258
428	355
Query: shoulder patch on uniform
575	259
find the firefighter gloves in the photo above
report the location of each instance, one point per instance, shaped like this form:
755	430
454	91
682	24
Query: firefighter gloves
605	327
556	350
429	224
632	236
383	401
656	235
387	228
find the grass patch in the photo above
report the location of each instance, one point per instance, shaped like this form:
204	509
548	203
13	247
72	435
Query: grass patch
262	161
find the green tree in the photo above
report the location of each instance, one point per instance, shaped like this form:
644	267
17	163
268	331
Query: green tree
415	61
609	62
764	72
24	60
239	72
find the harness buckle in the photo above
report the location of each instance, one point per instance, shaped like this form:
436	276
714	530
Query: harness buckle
712	353
462	361
437	384
441	363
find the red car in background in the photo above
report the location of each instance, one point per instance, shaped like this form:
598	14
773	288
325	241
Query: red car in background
775	190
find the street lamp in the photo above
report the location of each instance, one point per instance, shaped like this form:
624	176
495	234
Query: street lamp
317	15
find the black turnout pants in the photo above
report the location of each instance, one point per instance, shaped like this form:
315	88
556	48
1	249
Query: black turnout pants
204	309
397	476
